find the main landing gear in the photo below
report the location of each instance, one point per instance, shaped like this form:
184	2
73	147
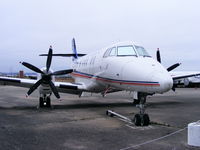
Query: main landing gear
141	119
45	101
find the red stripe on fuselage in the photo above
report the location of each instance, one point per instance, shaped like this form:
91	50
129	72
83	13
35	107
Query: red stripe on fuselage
112	81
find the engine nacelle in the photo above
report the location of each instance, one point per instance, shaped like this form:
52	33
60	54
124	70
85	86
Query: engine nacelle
45	88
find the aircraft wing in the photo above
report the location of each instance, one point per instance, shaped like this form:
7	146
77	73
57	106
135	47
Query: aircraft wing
184	74
17	82
71	88
63	87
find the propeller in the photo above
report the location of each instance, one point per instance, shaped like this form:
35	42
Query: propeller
46	76
172	67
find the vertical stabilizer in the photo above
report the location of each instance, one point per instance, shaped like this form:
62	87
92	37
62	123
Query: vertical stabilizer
74	51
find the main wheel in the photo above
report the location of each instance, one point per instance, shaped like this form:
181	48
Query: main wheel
41	102
48	102
137	120
145	120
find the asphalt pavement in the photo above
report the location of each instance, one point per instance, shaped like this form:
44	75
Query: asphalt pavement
75	123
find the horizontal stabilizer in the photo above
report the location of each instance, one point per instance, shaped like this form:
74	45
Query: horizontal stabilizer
64	55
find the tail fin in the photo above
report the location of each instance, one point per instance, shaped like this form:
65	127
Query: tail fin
74	51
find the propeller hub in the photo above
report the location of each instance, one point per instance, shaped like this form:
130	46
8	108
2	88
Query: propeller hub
46	78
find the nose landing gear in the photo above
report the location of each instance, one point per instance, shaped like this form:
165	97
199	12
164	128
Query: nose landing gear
45	101
141	119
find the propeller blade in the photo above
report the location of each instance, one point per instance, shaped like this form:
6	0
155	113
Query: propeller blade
35	86
173	66
49	59
54	89
62	72
31	67
158	56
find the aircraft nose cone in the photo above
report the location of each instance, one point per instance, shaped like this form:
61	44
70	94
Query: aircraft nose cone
165	81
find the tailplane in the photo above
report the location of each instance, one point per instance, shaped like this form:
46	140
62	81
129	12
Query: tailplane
74	54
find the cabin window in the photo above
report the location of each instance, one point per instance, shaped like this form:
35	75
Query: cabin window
141	51
126	51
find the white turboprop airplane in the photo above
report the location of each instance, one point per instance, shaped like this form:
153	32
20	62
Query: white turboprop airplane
122	66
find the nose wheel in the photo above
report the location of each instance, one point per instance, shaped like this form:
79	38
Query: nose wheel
141	120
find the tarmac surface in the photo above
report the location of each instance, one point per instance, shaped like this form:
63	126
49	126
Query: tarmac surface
82	124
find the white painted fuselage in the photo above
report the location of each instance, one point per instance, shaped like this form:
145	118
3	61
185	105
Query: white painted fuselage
122	70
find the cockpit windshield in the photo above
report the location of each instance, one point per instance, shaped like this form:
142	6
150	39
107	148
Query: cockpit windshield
141	51
126	51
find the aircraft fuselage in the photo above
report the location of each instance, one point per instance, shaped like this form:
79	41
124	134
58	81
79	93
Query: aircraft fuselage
125	72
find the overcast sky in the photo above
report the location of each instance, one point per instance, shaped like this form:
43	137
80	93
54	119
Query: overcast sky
29	27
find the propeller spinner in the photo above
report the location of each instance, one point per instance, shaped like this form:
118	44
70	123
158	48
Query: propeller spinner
46	76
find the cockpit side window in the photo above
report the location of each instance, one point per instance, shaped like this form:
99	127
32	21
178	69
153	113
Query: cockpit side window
126	51
107	53
113	52
141	51
110	52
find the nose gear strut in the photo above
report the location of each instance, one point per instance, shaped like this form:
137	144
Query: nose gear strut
141	119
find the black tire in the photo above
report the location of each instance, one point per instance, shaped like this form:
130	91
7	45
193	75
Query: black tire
48	102
136	101
137	120
41	102
145	120
107	113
